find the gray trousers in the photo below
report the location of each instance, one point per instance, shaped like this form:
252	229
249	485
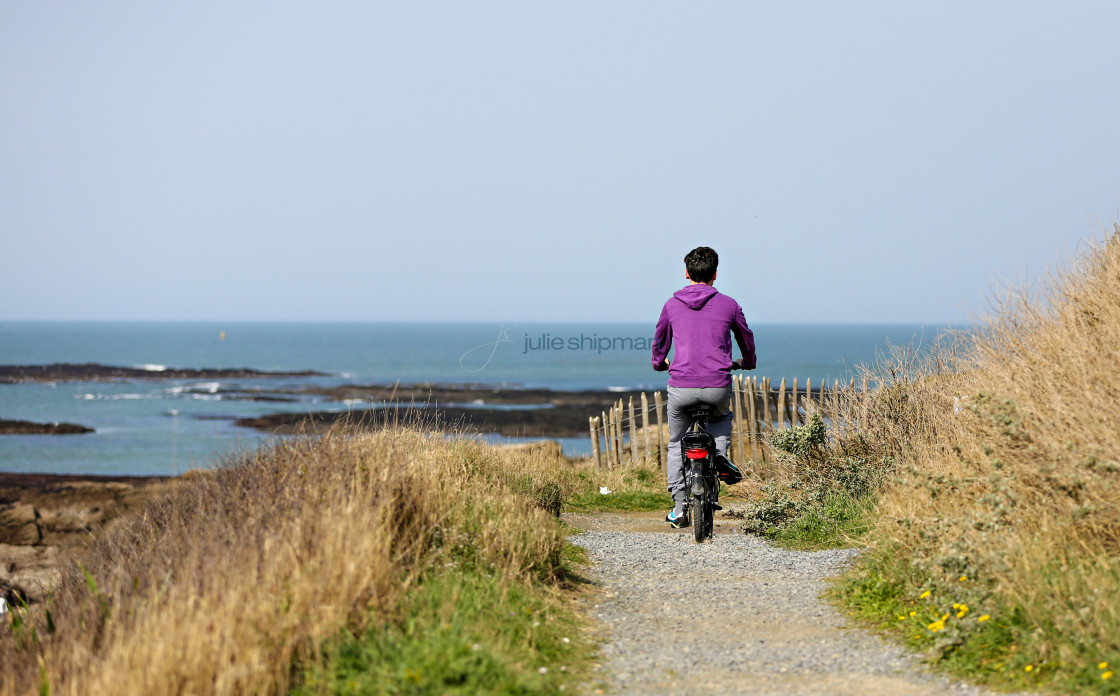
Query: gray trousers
719	425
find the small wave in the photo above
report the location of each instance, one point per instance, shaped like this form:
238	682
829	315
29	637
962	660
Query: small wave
497	407
353	402
151	367
210	387
207	397
618	389
133	397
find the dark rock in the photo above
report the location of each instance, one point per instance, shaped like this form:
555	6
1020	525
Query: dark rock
18	524
560	421
21	427
46	518
66	509
94	372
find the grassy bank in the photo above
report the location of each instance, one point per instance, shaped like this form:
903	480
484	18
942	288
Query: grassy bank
994	547
393	562
629	488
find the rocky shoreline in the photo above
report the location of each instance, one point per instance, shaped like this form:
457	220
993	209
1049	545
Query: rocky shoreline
504	411
95	372
560	421
46	518
501	409
22	427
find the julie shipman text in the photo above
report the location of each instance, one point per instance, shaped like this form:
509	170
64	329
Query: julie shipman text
595	342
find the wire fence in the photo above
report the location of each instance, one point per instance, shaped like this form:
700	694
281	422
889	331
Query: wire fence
629	433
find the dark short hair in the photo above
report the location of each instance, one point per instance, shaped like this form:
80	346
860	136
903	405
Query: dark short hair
701	264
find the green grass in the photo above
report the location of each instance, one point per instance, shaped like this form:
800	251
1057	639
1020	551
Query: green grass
1010	649
460	631
836	522
620	501
633	489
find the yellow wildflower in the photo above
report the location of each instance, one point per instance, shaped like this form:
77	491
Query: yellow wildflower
924	594
1106	675
963	611
964	578
938	625
985	617
902	618
913	613
1028	668
1103	665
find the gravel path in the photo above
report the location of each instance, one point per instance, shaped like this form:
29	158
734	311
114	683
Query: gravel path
734	616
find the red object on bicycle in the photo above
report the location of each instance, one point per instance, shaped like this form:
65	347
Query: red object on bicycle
696	453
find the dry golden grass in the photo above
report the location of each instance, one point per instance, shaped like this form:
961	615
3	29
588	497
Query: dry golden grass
221	586
1006	449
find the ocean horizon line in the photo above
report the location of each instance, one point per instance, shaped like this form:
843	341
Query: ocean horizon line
422	322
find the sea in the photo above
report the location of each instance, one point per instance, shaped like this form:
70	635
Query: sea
168	426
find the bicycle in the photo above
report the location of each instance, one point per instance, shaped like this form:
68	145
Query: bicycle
703	473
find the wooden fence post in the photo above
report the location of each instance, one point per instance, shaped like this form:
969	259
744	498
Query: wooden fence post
782	405
752	423
607	432
834	404
620	428
645	425
824	413
661	465
615	435
593	425
633	434
767	423
794	414
740	416
619	434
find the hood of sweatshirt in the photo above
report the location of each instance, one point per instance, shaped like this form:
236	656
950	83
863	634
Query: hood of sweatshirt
695	296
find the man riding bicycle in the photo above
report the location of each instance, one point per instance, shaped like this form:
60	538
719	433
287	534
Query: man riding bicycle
700	322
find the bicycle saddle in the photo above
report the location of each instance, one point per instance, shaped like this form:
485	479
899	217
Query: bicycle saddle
699	411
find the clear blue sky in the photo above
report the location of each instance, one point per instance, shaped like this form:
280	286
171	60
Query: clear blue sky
516	161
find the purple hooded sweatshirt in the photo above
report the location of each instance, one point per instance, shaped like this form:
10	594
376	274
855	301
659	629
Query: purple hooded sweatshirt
701	320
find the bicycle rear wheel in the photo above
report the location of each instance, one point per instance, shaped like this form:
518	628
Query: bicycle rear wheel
702	512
